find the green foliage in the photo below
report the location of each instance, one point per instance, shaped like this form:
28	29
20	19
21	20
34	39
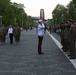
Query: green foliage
72	10
13	13
74	1
62	14
58	14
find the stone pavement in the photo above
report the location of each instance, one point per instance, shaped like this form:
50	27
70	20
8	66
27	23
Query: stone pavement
23	59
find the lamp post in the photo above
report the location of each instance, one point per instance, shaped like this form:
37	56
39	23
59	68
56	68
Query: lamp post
0	19
56	21
15	20
62	17
22	24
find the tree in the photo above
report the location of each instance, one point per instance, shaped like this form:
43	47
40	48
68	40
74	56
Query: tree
59	14
13	13
4	5
74	1
72	10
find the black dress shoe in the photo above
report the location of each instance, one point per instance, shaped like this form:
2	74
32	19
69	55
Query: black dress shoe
68	55
71	57
41	53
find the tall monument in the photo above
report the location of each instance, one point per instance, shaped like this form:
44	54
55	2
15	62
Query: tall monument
42	14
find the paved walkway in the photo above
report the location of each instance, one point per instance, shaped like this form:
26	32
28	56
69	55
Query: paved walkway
23	59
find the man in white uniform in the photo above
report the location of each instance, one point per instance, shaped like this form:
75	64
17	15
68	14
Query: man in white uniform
40	31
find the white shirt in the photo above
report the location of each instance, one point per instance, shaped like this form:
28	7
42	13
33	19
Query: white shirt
41	29
10	30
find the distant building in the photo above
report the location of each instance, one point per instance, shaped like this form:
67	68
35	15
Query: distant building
42	14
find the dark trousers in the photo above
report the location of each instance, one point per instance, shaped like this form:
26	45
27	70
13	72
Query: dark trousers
72	49
16	38
1	38
4	38
11	38
40	39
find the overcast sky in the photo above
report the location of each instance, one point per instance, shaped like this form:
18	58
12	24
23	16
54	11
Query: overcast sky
32	7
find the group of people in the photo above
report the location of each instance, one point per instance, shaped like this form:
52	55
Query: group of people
68	38
15	31
67	34
12	31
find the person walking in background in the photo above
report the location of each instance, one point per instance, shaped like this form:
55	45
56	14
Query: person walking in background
16	33
4	34
40	31
45	27
10	33
1	35
19	32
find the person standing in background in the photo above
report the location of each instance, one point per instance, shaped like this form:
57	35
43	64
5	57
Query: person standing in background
17	33
4	34
1	34
40	31
10	33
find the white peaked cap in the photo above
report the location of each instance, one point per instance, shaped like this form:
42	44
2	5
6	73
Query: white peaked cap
40	20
